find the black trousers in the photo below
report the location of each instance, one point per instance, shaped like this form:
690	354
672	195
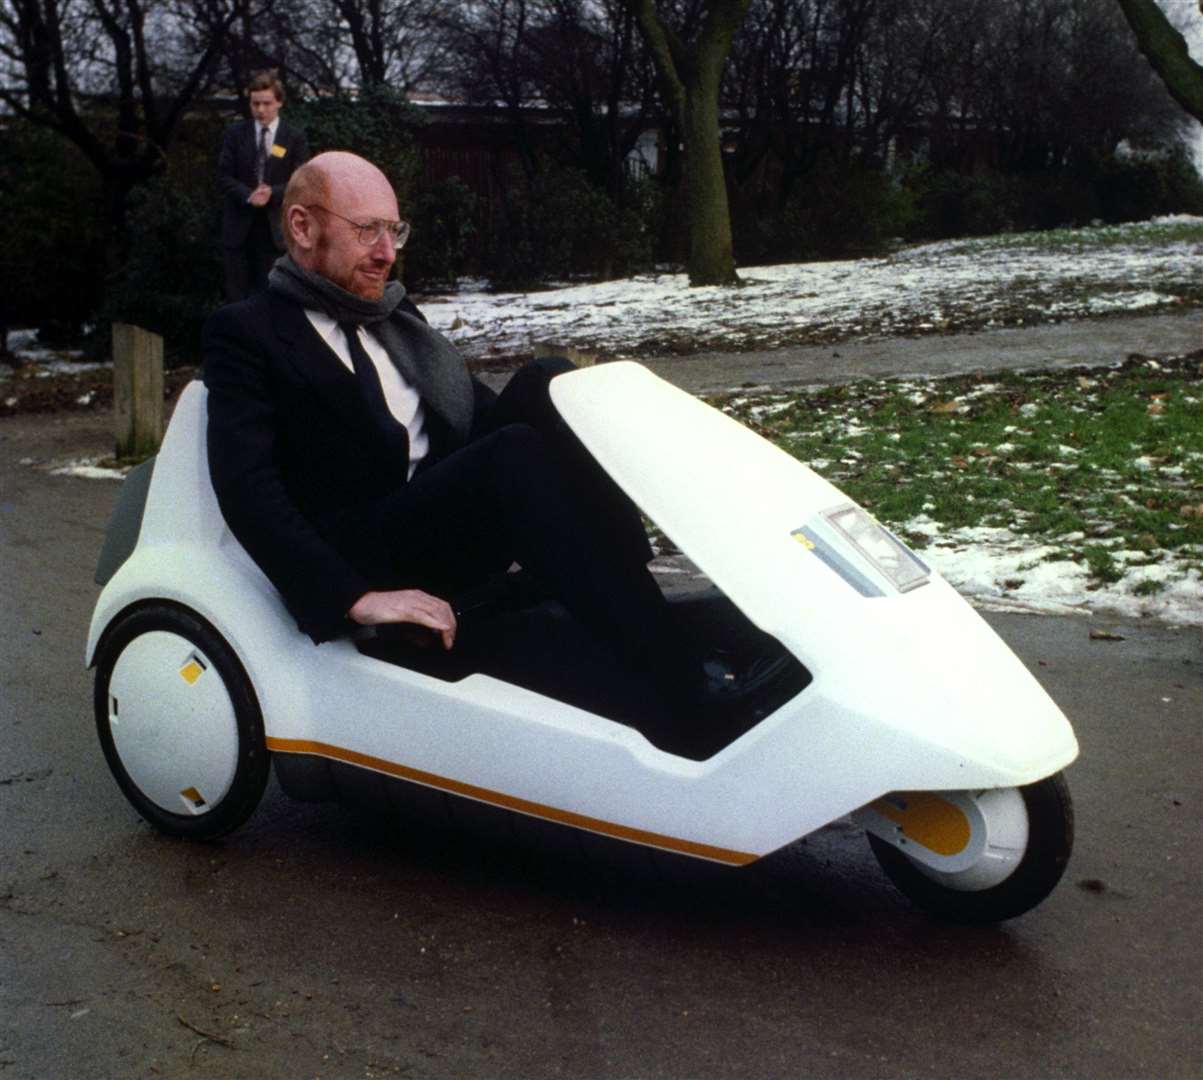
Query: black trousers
525	490
246	267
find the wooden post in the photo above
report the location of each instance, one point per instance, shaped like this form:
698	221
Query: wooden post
137	390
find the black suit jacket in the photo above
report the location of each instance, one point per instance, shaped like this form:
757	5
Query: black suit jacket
236	177
297	462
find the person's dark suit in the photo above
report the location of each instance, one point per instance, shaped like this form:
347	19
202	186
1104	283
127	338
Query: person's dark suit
309	486
251	236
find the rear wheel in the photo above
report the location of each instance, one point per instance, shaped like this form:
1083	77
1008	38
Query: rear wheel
179	722
975	857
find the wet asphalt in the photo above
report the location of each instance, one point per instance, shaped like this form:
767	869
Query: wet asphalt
320	942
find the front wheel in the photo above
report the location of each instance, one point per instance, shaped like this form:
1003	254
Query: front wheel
179	722
974	856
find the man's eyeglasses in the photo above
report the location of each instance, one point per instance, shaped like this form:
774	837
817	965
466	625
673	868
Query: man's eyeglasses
369	232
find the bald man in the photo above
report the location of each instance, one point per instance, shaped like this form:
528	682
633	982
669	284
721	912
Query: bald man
373	479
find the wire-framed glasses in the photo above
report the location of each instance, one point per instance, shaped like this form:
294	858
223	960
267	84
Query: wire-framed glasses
369	233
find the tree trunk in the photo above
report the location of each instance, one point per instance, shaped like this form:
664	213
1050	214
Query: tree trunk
711	259
1166	49
689	81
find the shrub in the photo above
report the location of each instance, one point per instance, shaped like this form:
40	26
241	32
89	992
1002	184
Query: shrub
558	226
444	224
1114	189
171	279
843	208
948	204
1138	187
378	124
52	258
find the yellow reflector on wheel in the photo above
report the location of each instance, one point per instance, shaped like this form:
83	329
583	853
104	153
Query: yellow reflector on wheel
929	820
191	671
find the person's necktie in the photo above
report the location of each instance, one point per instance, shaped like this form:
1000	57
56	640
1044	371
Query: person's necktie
261	157
372	392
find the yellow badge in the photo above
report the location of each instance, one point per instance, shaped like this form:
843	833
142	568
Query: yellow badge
278	150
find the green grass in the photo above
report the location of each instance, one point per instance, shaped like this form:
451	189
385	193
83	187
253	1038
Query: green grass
1103	465
1133	234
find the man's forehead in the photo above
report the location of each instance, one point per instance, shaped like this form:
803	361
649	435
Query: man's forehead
362	196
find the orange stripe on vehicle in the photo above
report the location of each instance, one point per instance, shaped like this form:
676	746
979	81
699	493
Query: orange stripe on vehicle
510	802
928	820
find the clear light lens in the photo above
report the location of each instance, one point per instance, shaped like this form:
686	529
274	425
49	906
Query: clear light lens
891	557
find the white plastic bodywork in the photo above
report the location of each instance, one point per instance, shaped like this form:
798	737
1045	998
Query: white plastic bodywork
911	691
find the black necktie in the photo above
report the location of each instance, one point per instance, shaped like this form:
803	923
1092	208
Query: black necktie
261	157
373	394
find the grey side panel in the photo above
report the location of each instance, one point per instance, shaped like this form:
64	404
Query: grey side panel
304	777
122	535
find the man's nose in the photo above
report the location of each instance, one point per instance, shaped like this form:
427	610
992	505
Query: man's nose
385	248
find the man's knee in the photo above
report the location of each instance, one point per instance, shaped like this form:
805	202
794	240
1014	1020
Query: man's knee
515	445
550	366
533	376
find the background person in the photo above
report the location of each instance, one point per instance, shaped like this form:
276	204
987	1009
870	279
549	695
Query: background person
257	158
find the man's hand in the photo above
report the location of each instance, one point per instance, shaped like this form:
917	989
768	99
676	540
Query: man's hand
261	196
406	606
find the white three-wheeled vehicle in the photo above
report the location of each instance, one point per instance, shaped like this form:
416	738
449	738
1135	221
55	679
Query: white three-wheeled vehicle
913	716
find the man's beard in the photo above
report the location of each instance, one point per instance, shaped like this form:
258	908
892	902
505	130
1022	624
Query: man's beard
367	290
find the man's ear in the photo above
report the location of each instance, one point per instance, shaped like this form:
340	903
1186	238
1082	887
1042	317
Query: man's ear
301	226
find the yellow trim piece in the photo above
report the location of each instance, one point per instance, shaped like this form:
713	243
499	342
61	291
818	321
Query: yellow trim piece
191	671
510	802
929	820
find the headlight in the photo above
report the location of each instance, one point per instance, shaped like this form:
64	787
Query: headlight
879	546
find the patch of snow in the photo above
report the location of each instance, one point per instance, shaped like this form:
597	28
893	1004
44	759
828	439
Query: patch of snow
88	469
779	304
997	570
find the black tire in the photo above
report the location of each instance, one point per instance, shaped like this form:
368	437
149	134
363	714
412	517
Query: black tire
252	765
1050	841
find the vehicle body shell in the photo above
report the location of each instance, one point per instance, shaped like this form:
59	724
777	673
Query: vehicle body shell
911	690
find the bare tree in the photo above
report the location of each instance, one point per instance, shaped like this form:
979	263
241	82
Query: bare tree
115	77
798	83
1061	86
391	39
689	55
586	59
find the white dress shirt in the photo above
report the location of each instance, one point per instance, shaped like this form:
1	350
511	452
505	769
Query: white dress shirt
403	400
272	128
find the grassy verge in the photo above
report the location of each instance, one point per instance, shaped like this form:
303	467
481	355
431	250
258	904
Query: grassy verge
1101	467
1148	235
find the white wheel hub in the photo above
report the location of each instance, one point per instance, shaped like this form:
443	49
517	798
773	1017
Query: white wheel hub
173	723
964	840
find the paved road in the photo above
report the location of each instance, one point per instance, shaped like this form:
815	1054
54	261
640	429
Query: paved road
316	943
1093	342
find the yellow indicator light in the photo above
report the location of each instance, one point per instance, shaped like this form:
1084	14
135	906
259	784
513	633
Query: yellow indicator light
191	671
929	820
806	542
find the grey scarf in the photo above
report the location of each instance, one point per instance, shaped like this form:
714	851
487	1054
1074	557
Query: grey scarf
427	360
